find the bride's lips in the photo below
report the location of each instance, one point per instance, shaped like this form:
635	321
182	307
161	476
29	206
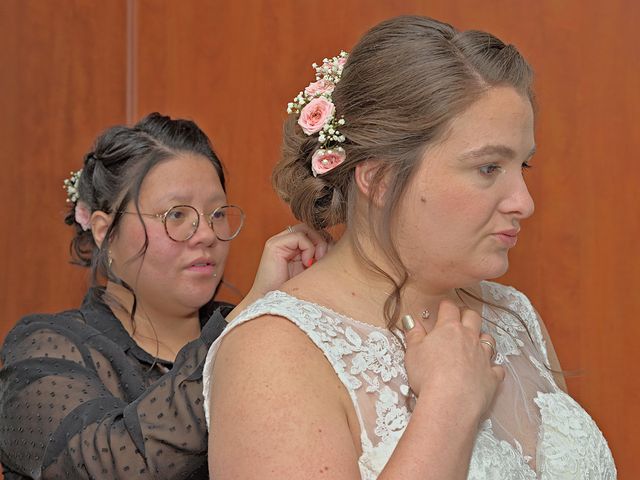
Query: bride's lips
508	238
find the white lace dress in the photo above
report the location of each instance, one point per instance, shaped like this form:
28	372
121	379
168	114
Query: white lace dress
534	429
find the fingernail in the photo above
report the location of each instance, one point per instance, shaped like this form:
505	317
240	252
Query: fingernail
408	323
310	262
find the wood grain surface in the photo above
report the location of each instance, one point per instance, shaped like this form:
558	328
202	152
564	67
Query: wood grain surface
72	68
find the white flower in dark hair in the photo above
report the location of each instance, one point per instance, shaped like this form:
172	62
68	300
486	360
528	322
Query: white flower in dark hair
71	186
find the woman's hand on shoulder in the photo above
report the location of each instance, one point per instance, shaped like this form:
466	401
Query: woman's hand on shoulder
285	255
277	407
452	364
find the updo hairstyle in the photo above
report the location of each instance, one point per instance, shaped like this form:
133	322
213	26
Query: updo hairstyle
401	86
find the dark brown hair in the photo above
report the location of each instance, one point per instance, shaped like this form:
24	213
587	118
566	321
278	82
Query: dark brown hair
402	85
112	176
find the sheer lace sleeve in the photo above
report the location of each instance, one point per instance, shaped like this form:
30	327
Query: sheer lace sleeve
523	352
73	405
552	357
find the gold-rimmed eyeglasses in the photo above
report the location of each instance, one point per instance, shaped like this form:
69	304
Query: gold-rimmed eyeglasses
181	222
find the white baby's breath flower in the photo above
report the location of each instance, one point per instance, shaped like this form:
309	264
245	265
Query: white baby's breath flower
71	186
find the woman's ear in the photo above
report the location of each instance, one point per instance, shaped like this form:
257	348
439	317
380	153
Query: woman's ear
100	223
371	181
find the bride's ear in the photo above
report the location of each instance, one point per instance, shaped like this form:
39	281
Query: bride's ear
371	180
100	223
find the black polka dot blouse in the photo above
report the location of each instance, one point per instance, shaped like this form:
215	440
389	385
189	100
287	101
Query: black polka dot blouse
79	399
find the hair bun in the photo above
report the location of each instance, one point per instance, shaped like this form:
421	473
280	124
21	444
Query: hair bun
316	201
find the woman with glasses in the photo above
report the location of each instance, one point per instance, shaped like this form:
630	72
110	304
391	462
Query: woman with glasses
113	389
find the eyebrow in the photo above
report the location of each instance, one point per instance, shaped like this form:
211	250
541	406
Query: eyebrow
487	150
182	200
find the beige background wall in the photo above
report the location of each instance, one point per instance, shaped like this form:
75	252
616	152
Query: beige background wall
73	67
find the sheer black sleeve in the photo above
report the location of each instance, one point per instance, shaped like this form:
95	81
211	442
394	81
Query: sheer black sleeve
74	406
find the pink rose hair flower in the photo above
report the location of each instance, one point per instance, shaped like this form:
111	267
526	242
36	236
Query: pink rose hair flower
83	215
319	88
315	115
324	161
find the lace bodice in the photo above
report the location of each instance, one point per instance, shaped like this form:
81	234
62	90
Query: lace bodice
533	430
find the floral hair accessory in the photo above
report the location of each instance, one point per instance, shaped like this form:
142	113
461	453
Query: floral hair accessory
71	186
324	160
317	114
82	215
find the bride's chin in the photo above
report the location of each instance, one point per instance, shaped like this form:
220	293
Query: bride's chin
498	270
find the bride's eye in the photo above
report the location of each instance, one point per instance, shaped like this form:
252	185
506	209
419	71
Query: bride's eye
490	169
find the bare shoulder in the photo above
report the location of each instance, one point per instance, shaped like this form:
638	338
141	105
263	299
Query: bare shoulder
267	336
275	403
272	349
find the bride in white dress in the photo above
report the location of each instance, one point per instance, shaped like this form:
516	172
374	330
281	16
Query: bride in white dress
417	142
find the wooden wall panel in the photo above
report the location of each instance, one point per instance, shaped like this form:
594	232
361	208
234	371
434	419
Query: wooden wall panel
578	259
233	66
63	80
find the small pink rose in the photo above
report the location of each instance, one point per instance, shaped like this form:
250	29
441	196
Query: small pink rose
315	115
323	161
342	61
319	87
83	215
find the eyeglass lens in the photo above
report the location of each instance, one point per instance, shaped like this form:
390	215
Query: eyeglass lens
181	222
